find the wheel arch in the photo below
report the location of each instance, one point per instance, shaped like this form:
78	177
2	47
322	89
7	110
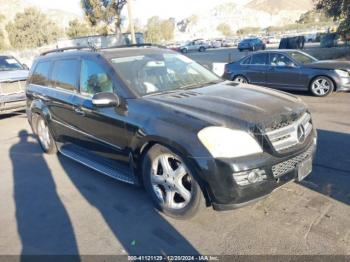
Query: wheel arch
147	144
38	107
323	75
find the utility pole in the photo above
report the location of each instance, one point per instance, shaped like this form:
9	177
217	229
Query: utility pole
131	22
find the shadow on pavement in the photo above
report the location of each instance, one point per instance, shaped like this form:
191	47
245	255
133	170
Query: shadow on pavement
45	227
42	220
331	169
129	213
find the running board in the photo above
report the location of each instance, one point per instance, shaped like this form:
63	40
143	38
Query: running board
108	171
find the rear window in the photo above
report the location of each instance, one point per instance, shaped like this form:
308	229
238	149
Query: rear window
40	75
65	74
259	59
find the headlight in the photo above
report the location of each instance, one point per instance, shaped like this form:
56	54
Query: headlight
225	142
342	73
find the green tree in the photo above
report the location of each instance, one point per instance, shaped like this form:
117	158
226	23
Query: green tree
2	35
225	29
158	30
167	28
338	10
104	13
77	28
32	29
153	31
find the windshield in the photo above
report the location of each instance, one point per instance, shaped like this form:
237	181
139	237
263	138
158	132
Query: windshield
302	58
8	63
159	73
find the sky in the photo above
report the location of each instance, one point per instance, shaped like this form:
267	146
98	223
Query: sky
143	9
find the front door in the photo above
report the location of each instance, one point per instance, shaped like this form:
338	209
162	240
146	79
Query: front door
283	73
102	130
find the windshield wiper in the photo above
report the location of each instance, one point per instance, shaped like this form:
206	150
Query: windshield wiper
197	85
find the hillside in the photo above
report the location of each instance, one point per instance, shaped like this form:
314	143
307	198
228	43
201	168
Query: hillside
274	7
247	13
10	8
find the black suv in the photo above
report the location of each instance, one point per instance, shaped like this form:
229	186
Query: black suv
150	116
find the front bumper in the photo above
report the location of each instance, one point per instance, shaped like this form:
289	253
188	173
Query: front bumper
344	84
12	103
225	193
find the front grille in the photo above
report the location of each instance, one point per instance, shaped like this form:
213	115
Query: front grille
12	87
284	167
292	134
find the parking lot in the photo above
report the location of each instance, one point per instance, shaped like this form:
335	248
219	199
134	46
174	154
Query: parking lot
52	205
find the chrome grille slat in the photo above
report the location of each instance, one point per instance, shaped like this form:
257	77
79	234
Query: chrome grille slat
287	166
287	136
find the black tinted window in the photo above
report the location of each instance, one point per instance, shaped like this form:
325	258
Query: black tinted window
94	78
259	59
65	74
41	74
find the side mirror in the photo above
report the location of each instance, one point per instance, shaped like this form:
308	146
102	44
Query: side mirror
25	67
105	99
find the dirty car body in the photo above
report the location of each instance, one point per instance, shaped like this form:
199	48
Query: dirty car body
239	141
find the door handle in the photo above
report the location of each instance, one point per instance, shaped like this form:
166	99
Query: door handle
79	111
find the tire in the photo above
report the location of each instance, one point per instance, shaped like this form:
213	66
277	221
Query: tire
321	86
240	50
201	49
163	187
184	51
44	136
240	79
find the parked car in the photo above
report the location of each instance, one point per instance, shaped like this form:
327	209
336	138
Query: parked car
153	117
13	76
251	44
329	40
195	45
295	42
291	70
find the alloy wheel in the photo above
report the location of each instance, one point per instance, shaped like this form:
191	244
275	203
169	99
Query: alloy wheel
240	79
321	86
43	133
171	181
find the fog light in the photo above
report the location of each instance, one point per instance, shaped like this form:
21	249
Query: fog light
253	177
249	177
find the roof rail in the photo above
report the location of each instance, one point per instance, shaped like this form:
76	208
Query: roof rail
133	45
92	48
57	50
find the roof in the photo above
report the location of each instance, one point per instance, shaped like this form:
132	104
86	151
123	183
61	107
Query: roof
111	52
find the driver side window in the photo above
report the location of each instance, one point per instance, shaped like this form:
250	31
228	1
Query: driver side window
94	79
280	60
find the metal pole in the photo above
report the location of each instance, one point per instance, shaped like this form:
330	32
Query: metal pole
131	23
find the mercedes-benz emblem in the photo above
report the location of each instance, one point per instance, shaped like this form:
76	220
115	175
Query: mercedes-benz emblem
301	133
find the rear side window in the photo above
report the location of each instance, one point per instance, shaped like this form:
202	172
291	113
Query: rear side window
259	59
40	75
65	74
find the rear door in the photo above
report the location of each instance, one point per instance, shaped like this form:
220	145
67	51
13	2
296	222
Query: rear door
283	73
256	70
64	84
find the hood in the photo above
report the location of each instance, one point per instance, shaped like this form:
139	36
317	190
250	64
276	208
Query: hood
234	105
331	64
13	75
